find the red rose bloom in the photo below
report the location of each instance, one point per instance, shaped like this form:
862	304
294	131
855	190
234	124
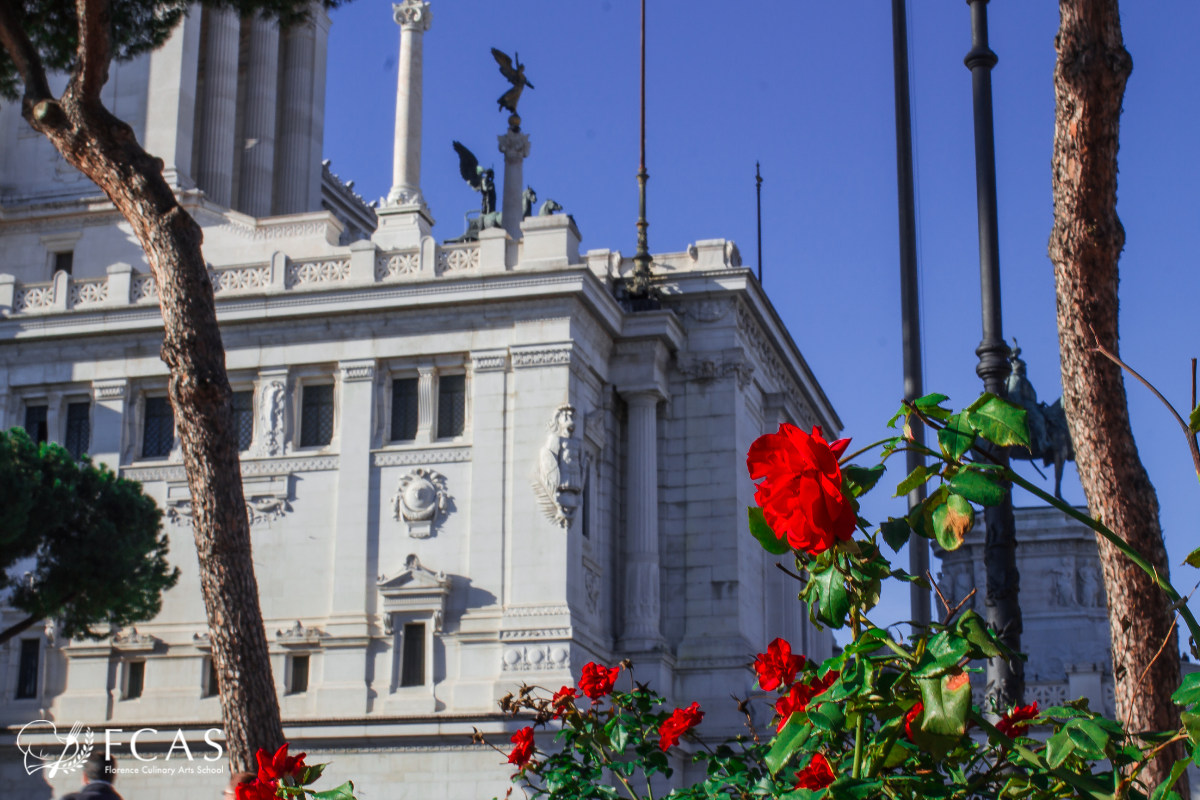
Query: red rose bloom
913	715
800	696
597	681
777	666
1016	722
817	775
278	765
680	722
562	700
259	790
523	752
801	492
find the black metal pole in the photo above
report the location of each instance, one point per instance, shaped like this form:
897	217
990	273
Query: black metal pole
1005	682
910	305
642	257
758	190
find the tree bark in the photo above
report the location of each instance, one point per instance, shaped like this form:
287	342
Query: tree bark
1085	245
105	149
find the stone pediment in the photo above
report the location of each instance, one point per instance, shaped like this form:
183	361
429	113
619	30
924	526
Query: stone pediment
417	588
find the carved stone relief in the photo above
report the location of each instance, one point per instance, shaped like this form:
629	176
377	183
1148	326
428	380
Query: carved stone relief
541	657
591	583
272	405
707	370
558	480
421	499
259	509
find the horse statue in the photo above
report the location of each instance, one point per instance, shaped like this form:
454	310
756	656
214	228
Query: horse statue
528	198
548	208
1049	437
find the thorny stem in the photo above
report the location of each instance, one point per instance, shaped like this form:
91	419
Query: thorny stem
872	445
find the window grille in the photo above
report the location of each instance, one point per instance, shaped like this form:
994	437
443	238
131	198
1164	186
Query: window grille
27	673
243	419
64	262
79	428
299	675
412	664
158	428
452	405
316	416
35	423
404	409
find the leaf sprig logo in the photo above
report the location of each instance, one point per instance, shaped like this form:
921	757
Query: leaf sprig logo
67	755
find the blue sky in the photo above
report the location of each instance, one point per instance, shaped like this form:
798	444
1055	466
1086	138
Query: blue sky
805	87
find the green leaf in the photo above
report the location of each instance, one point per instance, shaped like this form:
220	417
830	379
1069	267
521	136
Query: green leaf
1177	769
930	405
862	479
944	652
848	683
787	742
1059	746
828	717
920	518
847	788
915	478
834	601
311	773
1194	420
972	627
1193	558
895	532
1062	712
998	421
952	522
760	530
619	736
1088	737
1188	691
343	792
1191	721
957	437
978	487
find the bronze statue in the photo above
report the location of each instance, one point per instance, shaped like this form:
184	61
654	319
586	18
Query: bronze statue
528	198
483	181
1049	438
516	76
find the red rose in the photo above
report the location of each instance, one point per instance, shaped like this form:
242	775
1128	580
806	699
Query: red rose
562	700
800	696
597	681
259	790
777	665
801	492
278	765
680	722
523	752
913	716
1016	722
817	775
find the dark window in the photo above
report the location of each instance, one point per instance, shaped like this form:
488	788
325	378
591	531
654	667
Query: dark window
212	686
64	262
412	665
585	498
27	675
299	675
243	418
158	429
404	409
79	428
452	405
35	423
135	679
316	416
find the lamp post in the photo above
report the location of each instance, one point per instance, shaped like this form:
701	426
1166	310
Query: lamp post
1005	682
910	302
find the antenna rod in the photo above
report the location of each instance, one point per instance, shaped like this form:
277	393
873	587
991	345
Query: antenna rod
642	259
758	190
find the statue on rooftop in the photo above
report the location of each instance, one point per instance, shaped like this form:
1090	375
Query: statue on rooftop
1049	438
514	71
483	181
528	198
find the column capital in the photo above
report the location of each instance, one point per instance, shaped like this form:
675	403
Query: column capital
514	145
357	370
643	395
413	15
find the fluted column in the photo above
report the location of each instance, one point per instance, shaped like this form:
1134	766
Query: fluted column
295	128
414	18
515	147
219	107
642	564
256	180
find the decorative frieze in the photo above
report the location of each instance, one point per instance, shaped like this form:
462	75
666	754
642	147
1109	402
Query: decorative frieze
436	455
273	466
526	635
259	509
310	273
539	657
542	357
708	370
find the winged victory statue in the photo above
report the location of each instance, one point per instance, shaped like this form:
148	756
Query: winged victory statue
483	181
514	71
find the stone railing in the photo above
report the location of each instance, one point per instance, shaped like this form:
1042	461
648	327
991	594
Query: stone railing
34	297
458	258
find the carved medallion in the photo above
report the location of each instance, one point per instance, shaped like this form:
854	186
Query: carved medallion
421	498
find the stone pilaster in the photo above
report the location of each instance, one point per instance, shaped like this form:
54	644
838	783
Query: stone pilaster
214	172
256	178
171	101
414	19
642	577
108	420
425	404
515	147
298	54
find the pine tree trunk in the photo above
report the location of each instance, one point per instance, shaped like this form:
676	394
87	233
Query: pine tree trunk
1085	245
105	149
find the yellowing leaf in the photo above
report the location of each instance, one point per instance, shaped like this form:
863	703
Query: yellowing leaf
952	522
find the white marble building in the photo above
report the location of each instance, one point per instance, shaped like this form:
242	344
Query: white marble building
466	466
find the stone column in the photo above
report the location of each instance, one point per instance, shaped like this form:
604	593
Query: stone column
641	568
219	105
171	101
295	128
256	179
425	404
515	147
414	18
108	420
